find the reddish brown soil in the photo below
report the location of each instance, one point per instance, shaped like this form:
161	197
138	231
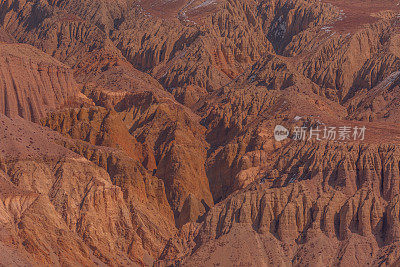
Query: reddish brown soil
359	12
156	145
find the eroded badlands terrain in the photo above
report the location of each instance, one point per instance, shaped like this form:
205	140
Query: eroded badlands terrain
141	133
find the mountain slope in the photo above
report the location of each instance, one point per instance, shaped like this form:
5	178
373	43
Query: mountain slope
33	83
156	144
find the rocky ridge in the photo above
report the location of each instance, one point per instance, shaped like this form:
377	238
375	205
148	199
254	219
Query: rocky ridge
33	83
134	177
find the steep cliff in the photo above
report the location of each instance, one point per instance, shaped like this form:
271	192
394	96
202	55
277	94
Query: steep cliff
111	210
158	147
33	83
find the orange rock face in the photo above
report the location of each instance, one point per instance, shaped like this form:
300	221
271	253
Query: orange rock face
5	37
141	133
33	83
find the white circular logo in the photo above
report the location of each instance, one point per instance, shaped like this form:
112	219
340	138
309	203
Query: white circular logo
280	133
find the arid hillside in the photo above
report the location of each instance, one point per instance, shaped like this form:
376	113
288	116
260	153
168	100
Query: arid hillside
143	133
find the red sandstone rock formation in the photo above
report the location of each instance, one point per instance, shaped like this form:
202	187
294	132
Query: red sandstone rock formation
33	83
156	144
